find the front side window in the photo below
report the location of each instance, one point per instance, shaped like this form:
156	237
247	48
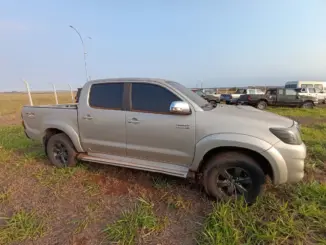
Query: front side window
147	97
311	90
318	87
290	92
106	96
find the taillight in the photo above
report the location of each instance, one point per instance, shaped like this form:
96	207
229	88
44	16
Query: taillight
249	97
230	96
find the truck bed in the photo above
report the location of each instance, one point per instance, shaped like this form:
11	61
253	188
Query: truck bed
39	118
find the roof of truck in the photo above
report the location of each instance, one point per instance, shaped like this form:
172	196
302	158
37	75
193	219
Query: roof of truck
129	79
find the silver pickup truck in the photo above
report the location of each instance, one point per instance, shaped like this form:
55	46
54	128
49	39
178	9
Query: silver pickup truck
161	126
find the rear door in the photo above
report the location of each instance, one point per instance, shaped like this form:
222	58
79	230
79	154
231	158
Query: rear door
153	133
102	120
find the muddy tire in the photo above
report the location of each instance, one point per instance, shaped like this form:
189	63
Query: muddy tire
261	105
230	175
61	151
308	105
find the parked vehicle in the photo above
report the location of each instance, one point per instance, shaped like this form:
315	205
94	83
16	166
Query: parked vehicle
320	96
161	126
280	97
320	86
212	98
225	98
239	92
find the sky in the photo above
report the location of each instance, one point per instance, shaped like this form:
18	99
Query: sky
213	42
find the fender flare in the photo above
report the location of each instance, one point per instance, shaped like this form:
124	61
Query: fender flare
67	129
228	140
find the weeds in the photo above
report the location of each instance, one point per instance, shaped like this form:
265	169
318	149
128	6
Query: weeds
316	143
21	226
4	195
134	225
160	182
270	220
54	176
299	112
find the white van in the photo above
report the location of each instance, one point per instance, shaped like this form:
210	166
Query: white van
320	86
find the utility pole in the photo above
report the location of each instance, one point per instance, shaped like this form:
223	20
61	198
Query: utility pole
84	49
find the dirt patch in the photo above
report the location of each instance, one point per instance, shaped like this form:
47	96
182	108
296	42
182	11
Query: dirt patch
308	120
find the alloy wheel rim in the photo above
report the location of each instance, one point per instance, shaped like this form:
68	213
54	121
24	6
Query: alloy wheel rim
233	182
60	153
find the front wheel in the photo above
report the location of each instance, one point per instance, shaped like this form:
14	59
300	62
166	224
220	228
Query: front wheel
261	105
61	151
232	175
308	105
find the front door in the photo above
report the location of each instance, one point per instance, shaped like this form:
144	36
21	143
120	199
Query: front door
153	133
291	97
102	120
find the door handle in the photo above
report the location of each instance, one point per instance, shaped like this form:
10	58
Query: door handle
133	120
88	117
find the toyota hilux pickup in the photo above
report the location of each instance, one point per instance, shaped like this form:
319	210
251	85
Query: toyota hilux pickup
161	126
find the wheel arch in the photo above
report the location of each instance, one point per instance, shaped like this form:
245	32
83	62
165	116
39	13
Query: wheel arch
51	130
262	162
220	143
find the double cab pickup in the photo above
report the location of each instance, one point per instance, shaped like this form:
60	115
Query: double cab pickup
279	97
161	126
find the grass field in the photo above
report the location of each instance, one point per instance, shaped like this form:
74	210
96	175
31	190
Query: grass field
98	204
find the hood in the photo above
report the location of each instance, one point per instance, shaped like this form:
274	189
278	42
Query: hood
248	114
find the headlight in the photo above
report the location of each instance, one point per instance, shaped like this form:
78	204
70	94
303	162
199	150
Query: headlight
287	135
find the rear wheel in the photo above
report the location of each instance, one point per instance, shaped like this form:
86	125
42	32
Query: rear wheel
61	151
232	175
261	105
213	103
308	105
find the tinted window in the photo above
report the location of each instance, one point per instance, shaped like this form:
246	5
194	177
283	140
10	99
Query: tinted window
151	98
291	86
106	95
290	92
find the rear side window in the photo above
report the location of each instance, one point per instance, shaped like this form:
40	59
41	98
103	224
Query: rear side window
106	96
290	92
151	98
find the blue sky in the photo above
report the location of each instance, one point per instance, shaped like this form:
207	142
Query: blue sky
222	43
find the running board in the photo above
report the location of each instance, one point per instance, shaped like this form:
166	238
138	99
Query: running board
158	167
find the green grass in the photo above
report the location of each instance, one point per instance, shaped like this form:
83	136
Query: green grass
134	224
20	227
13	139
300	219
299	112
314	137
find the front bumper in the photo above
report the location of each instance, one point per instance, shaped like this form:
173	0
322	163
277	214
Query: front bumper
287	162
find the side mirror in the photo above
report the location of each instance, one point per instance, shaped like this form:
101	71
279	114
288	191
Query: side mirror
180	107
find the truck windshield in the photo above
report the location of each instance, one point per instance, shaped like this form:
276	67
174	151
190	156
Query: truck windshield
191	95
